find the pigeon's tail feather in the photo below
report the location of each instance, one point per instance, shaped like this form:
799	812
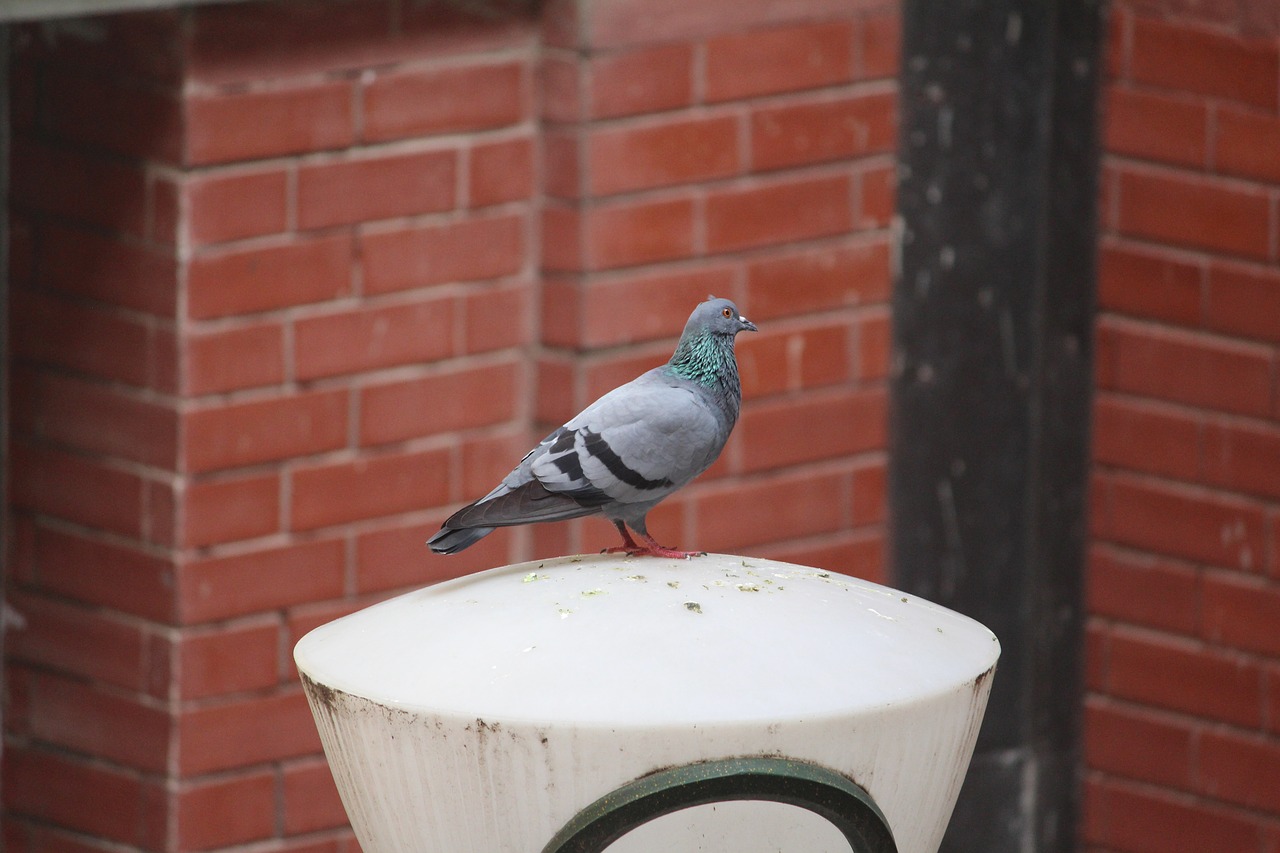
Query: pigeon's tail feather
522	505
453	540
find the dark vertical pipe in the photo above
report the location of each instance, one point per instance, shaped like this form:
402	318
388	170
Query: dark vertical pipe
991	389
4	343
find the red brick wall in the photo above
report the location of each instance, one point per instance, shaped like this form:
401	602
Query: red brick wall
291	281
1183	709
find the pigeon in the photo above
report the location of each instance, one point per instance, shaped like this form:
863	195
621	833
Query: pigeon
623	454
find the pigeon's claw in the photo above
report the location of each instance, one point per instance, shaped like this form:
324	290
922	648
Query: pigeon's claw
650	548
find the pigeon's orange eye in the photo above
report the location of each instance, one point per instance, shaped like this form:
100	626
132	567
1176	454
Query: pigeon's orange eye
727	313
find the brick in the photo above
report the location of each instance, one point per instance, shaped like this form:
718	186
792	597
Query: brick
1120	584
601	376
105	574
444	100
877	185
373	338
628	234
875	344
818	280
214	588
652	79
227	127
783	59
488	458
248	356
557	398
226	811
87	643
869	494
1195	212
1150	285
497	318
226	510
459	399
1244	301
880	46
1242	613
227	659
1157	127
468	250
559	89
82	263
625	23
163	219
793	360
346	191
91	799
1204	62
238	434
1243	458
311	801
1244	770
1245	144
1183	367
81	339
76	488
115	113
53	180
397	557
1184	676
92	721
788	507
1148	437
500	172
368	488
563	238
246	281
629	158
92	418
775	435
562	162
245	732
1137	744
823	131
644	307
777	213
1146	820
224	206
1187	523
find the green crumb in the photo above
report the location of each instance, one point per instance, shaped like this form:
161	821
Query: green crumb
693	607
673	584
534	576
748	587
591	593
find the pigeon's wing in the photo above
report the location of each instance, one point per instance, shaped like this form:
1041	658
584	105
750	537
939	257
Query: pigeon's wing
636	444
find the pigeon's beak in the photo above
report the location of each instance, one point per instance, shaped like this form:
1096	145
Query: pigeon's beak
747	325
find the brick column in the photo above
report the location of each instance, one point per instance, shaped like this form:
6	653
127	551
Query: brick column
743	152
272	293
294	280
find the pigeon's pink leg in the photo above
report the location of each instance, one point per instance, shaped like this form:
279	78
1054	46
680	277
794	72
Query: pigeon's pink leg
650	548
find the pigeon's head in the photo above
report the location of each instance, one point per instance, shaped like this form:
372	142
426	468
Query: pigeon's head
719	317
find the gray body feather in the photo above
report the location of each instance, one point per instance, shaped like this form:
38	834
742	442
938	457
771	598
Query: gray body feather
629	449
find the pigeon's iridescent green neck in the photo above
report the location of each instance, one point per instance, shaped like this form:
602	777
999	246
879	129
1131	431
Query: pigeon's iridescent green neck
705	358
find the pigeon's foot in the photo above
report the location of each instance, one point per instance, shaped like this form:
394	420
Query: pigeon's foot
650	548
654	550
